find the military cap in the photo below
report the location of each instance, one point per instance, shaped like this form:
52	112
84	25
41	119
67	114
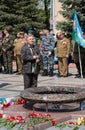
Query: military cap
30	31
21	33
18	34
41	33
8	29
60	33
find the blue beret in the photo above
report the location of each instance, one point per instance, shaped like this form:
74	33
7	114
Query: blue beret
30	31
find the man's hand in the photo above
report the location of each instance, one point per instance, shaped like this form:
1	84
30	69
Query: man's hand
49	53
35	57
14	54
4	49
67	56
37	60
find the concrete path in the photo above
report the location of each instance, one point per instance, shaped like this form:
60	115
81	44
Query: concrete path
12	85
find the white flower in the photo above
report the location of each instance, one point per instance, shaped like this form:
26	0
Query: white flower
4	115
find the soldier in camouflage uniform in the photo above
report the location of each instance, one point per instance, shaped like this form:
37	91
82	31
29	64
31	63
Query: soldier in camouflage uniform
7	48
39	41
47	47
1	58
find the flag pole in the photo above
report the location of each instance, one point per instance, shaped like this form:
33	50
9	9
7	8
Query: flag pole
80	61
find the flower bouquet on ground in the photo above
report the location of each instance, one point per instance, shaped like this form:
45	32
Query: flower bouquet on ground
9	122
73	125
39	118
7	102
20	123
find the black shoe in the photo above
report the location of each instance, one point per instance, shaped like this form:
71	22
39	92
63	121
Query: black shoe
0	70
10	72
51	73
78	76
45	73
6	72
16	71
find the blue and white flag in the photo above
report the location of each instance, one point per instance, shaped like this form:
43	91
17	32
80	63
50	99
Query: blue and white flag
77	34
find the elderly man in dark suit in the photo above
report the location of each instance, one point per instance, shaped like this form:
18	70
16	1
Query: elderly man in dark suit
31	61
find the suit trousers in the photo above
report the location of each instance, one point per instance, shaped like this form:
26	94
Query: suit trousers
30	80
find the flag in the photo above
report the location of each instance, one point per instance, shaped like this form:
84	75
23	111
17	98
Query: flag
77	34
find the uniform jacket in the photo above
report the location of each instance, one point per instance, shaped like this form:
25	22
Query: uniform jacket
0	46
47	44
29	64
18	45
63	48
8	43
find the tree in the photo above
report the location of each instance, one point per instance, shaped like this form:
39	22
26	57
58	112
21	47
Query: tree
21	15
7	16
47	12
68	7
29	15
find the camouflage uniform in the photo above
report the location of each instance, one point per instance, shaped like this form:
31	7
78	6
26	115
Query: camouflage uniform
7	47
47	46
39	41
1	58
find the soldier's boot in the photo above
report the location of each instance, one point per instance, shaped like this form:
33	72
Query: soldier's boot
51	72
10	72
45	72
6	71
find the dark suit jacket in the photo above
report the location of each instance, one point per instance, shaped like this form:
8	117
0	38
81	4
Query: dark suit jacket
29	64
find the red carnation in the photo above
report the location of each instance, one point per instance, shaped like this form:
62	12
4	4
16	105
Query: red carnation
54	122
1	115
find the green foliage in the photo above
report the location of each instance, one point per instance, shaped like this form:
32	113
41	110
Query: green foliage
36	120
22	15
63	126
2	122
68	7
